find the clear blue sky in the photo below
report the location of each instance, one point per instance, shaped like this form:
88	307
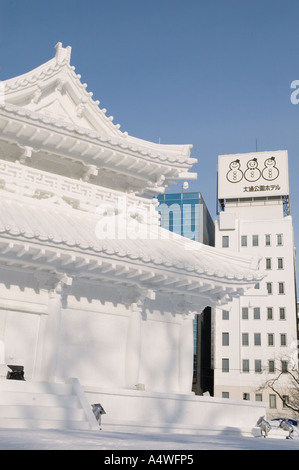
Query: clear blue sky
212	73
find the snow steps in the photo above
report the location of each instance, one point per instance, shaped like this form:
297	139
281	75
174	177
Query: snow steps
44	405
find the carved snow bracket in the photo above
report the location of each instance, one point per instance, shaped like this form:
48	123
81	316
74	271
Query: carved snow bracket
185	306
90	170
62	282
25	155
60	84
80	108
37	95
135	299
55	283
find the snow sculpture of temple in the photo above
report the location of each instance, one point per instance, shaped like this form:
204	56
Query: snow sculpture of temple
90	285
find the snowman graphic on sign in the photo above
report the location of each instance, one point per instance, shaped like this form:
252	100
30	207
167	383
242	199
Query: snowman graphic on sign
252	173
270	172
234	175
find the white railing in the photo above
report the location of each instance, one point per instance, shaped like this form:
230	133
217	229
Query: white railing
26	181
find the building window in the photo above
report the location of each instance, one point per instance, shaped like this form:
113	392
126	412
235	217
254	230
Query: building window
282	313
245	339
225	339
269	313
255	240
257	339
225	394
256	313
246	396
225	241
225	365
269	287
245	365
268	263
244	313
284	367
272	401
281	288
279	239
279	263
225	315
244	240
283	339
258	397
271	366
268	240
258	366
270	339
285	400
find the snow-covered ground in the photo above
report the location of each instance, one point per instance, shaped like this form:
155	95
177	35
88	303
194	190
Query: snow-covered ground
27	439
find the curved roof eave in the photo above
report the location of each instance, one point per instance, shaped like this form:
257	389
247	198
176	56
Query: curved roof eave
59	69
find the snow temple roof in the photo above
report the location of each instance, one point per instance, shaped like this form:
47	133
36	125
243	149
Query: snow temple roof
66	241
49	109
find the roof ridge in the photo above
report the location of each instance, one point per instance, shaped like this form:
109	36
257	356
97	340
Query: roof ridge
95	135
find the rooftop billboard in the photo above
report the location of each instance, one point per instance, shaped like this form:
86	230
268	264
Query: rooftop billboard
256	174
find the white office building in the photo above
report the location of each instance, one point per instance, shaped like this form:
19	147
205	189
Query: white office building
256	334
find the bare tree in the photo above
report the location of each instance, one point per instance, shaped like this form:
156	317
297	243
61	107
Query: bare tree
286	386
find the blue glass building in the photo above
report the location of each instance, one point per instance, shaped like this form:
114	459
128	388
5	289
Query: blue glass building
186	213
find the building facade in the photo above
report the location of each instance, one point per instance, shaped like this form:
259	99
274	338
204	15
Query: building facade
186	213
256	335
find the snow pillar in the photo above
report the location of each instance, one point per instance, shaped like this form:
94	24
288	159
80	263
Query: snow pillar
51	339
186	353
2	352
52	330
133	349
